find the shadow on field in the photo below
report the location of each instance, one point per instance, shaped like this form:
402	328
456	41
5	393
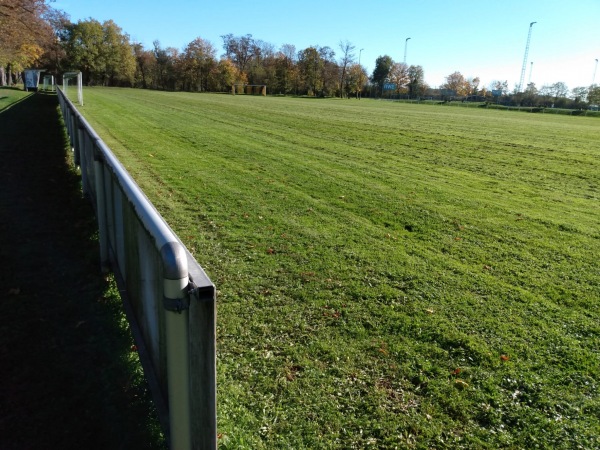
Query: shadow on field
69	378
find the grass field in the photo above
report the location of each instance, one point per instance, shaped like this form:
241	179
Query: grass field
8	96
389	275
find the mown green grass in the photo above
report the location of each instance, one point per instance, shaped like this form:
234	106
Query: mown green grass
389	275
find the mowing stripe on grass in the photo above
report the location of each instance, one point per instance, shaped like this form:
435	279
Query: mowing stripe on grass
389	274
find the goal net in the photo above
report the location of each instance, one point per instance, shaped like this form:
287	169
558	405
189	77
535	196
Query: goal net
249	89
73	80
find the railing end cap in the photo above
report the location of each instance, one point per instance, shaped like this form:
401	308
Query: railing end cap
174	260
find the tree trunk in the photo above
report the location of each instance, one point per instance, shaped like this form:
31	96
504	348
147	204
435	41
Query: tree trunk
2	76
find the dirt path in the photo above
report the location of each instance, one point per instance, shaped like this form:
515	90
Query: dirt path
67	379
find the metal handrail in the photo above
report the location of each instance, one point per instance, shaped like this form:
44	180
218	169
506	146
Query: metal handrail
169	299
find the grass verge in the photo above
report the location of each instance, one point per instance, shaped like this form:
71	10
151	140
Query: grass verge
70	375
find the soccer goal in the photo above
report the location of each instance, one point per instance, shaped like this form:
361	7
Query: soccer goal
69	79
49	83
249	89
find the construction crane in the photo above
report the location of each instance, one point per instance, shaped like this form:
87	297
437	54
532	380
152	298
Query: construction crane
523	69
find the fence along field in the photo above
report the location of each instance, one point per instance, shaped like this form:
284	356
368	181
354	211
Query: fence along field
389	275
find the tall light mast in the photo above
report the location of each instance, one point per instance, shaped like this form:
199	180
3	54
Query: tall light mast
530	72
595	68
523	69
405	48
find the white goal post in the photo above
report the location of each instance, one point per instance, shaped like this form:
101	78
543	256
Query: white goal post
49	83
69	76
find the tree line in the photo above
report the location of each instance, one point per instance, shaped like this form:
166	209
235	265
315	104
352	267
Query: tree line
34	34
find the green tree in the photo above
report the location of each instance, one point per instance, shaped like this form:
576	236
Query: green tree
416	81
593	96
102	52
84	49
310	64
118	56
383	66
579	94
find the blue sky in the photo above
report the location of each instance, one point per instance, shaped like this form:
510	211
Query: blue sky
482	38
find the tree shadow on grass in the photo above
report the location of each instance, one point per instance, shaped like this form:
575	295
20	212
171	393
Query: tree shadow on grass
70	376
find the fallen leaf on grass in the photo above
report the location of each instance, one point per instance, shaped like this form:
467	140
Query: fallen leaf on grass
461	384
429	311
504	357
456	371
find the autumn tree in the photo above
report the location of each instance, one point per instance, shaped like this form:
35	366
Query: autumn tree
399	76
472	85
346	59
499	86
23	35
261	68
145	66
355	79
224	75
286	71
239	49
54	59
456	82
330	72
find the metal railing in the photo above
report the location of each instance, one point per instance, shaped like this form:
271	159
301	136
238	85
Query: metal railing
169	300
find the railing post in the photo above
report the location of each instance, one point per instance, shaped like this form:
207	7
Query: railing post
176	302
101	208
81	150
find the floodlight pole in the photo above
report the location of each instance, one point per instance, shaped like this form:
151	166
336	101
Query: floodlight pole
525	58
405	48
594	76
360	76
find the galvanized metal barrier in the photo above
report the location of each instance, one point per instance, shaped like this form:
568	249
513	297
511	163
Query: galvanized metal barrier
169	300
